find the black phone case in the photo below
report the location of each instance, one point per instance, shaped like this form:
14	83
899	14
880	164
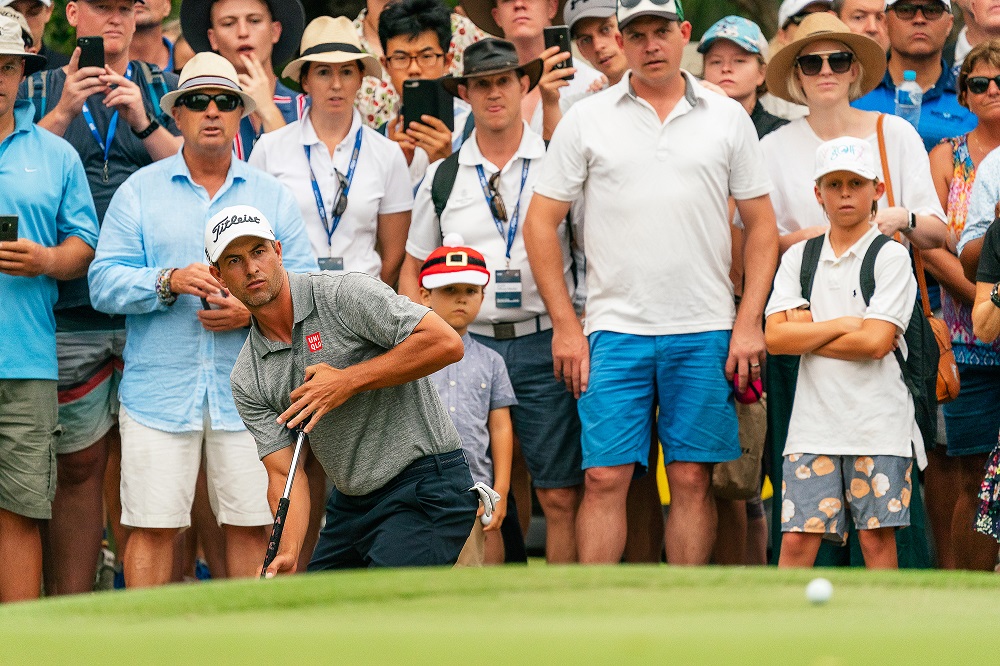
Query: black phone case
91	51
8	228
558	35
427	96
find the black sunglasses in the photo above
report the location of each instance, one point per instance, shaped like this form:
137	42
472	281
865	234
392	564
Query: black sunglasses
199	101
907	11
812	64
980	84
497	207
629	4
341	205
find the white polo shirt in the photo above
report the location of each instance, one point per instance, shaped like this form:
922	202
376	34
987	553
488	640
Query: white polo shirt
657	235
851	407
380	186
468	214
578	88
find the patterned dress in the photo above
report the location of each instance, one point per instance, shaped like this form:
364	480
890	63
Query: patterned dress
378	102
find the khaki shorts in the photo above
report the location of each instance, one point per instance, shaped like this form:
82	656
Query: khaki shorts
28	432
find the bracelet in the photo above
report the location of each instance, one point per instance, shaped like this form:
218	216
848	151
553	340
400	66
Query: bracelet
163	292
152	127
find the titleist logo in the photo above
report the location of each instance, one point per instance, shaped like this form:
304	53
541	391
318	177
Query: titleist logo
227	222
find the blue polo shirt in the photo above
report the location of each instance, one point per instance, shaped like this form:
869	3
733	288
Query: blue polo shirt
941	116
43	183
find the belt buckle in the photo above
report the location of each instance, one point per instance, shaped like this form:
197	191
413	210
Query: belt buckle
503	332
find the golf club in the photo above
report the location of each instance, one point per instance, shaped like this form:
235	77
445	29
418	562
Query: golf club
279	515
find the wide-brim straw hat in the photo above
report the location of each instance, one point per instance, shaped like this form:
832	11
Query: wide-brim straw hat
492	56
480	12
196	19
12	44
334	41
208	71
818	27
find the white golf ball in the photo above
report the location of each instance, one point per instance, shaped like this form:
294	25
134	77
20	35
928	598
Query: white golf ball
485	520
819	590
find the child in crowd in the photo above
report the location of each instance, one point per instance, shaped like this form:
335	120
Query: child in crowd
476	391
852	435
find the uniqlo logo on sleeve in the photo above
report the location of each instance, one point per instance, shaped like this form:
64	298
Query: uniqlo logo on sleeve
315	343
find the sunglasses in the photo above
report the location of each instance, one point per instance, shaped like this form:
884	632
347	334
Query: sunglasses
812	64
497	206
341	205
908	11
629	4
199	101
980	84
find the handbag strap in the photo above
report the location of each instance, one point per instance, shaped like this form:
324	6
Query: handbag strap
918	261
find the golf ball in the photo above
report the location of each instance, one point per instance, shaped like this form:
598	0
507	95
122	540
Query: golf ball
819	590
485	520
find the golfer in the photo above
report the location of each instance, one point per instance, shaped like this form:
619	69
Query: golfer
347	359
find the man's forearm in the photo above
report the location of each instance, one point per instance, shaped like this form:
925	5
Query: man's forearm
760	260
56	121
540	238
162	144
72	257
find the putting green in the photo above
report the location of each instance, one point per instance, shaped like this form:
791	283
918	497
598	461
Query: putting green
538	614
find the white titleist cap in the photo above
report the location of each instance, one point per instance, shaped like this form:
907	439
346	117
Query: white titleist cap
231	223
846	154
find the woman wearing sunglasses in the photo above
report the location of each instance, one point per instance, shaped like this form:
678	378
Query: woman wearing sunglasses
826	68
351	182
971	420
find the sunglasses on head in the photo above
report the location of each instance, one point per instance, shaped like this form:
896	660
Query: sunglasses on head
199	101
980	84
907	11
812	64
497	206
629	4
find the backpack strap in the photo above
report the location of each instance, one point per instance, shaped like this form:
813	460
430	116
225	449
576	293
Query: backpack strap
156	84
470	124
37	84
444	183
868	267
810	261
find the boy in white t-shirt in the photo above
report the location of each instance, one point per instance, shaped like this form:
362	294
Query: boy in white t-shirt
852	435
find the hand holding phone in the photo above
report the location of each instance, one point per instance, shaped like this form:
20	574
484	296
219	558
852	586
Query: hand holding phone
91	52
558	35
427	97
8	228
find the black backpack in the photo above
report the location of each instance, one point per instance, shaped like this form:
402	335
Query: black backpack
920	368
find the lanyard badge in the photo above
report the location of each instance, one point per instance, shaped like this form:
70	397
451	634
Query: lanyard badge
333	263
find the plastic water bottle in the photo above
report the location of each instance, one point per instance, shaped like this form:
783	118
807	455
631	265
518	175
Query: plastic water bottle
909	95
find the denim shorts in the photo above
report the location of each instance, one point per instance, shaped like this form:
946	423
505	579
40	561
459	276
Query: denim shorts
684	373
972	420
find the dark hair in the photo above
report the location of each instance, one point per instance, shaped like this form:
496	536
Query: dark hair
988	53
305	68
413	17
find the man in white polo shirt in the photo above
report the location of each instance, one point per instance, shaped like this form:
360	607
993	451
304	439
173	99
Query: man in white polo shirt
656	157
495	175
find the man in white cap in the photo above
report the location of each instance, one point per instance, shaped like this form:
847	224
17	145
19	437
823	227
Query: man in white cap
656	158
49	229
593	26
185	331
37	13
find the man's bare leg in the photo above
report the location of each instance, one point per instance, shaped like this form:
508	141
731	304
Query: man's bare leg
692	521
798	550
942	486
602	519
878	547
245	547
20	543
560	506
113	493
520	487
149	557
731	538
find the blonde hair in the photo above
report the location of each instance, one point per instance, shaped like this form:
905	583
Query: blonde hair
797	95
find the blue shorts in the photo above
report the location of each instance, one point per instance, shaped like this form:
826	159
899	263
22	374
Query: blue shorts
972	420
684	373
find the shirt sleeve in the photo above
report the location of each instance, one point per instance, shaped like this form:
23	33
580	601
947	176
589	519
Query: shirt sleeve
502	391
398	196
982	201
565	167
296	250
425	229
989	260
787	291
748	177
895	287
259	418
374	312
76	215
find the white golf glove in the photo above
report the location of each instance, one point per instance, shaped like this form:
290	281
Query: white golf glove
489	497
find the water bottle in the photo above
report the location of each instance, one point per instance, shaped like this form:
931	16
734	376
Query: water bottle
909	95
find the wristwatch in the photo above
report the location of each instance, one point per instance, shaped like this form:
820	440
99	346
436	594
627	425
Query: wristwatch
912	224
153	126
995	295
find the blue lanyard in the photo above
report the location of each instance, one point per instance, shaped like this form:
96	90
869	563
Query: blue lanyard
112	128
320	207
512	228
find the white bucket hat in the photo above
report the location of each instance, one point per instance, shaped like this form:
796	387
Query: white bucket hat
231	223
208	71
845	154
334	41
12	43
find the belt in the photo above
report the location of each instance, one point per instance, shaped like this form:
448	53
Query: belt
511	330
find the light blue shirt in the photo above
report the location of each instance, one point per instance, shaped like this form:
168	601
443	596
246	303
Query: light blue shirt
156	220
983	200
43	183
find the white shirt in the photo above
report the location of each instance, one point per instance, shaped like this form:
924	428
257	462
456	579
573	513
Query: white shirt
851	407
790	155
657	236
380	186
578	88
468	214
420	161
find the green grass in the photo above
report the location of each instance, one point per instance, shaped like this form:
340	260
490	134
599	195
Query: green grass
538	614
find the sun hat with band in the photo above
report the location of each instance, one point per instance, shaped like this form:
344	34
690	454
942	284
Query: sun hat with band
480	12
629	10
208	71
332	41
12	44
196	19
820	27
231	223
453	263
492	56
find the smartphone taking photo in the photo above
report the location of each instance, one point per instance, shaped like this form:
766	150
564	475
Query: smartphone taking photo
427	97
558	35
8	228
91	51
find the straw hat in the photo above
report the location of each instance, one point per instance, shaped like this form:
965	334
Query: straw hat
820	27
12	43
480	12
331	40
492	56
196	19
208	71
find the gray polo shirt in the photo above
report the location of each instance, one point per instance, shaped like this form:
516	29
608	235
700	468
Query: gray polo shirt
342	320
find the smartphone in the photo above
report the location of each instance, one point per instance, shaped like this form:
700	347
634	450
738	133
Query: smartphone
205	305
8	228
558	35
91	51
427	97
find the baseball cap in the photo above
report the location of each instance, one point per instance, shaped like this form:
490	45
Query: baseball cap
740	31
231	223
890	3
4	3
845	154
629	10
790	8
453	263
574	10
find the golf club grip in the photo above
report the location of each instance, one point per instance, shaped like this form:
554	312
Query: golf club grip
279	525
